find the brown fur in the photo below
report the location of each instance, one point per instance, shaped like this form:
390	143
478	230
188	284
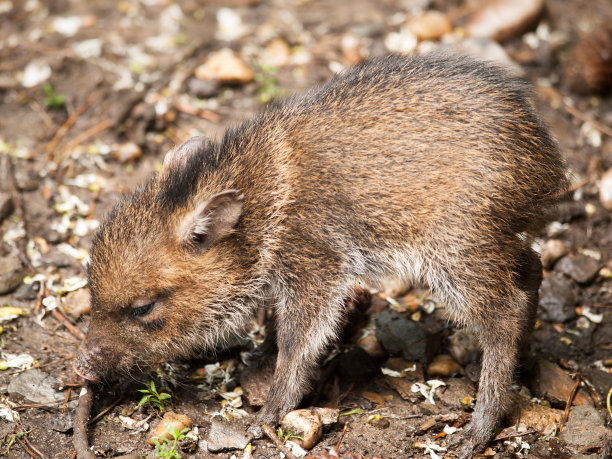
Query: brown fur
427	168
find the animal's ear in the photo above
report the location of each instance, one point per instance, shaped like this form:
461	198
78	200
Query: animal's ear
212	219
180	154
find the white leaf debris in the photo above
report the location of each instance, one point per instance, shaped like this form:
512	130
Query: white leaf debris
6	412
21	361
296	449
449	430
430	448
8	313
397	374
593	317
133	424
428	390
229	25
67	26
35	73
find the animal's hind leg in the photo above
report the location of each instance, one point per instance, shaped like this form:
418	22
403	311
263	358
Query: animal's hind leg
529	279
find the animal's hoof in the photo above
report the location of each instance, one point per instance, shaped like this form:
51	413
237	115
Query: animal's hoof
464	446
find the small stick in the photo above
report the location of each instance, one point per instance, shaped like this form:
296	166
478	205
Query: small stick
342	437
81	416
513	435
582	117
66	323
277	442
68	392
105	410
61	132
88	133
570	399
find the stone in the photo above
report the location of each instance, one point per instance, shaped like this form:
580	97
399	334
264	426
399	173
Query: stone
276	52
226	67
585	430
582	268
558	296
303	423
400	335
605	189
554	384
443	365
430	25
551	251
77	303
370	344
127	152
543	419
171	421
223	436
203	89
501	20
36	387
12	273
255	381
6	206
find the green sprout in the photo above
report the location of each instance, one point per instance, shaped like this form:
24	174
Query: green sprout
268	83
286	436
167	448
53	100
153	396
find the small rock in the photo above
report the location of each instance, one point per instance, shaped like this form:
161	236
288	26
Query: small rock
443	365
6	206
28	292
370	344
62	423
464	346
203	89
225	66
304	423
36	72
36	387
276	53
327	415
430	25
170	421
588	68
77	303
503	19
27	180
352	45
582	268
569	210
127	152
585	429
605	189
554	384
12	273
558	296
544	419
551	251
401	336
223	436
255	381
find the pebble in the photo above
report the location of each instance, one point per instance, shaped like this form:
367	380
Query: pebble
27	180
585	429
558	296
36	387
430	25
605	189
464	346
401	336
443	365
588	68
503	19
225	66
276	53
174	421
551	251
256	379
6	206
223	436
370	344
544	419
12	273
127	152
552	383
204	89
580	267
304	423
36	72
77	303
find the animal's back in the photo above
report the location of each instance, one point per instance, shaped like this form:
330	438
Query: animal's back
425	140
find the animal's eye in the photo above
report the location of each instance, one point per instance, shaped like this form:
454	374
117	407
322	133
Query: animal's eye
143	310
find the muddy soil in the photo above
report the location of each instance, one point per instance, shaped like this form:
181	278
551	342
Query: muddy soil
92	94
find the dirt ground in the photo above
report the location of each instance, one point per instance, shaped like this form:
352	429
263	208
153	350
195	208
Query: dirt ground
92	94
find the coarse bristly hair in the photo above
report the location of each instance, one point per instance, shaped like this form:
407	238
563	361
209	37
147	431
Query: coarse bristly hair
434	169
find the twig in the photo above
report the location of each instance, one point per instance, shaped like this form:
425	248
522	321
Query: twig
81	416
87	134
61	132
583	117
34	450
342	437
277	442
105	410
66	323
570	399
191	110
68	392
513	435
